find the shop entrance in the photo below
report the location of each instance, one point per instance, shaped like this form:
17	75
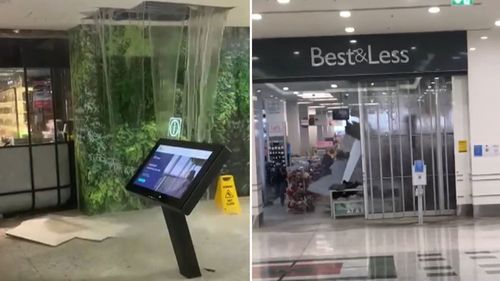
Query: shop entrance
403	120
390	122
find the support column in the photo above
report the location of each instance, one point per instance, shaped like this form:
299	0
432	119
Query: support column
305	147
293	126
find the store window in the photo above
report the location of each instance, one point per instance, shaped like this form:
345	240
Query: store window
13	113
41	111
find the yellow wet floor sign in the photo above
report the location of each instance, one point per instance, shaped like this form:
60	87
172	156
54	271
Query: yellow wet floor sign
226	197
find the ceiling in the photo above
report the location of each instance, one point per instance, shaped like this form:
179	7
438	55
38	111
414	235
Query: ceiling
302	18
65	14
345	92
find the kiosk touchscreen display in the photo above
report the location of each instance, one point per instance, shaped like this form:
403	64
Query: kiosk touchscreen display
171	169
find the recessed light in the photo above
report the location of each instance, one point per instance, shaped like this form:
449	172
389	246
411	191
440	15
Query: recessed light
384	93
256	16
353	41
472	49
497	23
255	58
484	37
345	14
296	93
436	78
372	83
272	96
413	48
283	1
285	89
259	90
430	87
296	53
16	31
350	29
335	86
434	10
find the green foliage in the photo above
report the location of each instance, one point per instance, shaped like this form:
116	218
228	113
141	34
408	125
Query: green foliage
107	156
232	118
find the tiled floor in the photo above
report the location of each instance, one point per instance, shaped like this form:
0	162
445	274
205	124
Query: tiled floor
313	247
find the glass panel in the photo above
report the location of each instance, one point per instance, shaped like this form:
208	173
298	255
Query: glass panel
40	105
63	104
13	116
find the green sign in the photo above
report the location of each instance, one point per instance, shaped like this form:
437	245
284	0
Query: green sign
462	2
174	128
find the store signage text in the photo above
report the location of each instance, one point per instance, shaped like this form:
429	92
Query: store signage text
358	56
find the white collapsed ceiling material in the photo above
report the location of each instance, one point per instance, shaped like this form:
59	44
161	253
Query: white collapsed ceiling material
65	14
53	230
322	17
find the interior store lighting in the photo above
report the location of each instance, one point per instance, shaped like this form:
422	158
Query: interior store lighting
335	86
350	29
353	41
313	95
497	23
286	88
283	1
484	37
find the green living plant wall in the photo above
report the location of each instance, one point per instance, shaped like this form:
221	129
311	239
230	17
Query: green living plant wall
108	156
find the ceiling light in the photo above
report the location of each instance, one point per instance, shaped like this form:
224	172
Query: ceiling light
272	96
384	93
259	90
484	37
430	87
325	99
256	16
316	106
345	14
304	102
296	93
314	95
283	1
373	84
497	23
413	48
335	86
296	53
255	58
436	78
286	88
16	31
434	10
353	41
331	104
350	29
472	49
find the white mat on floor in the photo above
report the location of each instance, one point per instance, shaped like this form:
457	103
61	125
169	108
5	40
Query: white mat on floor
54	230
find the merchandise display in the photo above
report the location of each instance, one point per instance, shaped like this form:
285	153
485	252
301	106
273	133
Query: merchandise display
277	150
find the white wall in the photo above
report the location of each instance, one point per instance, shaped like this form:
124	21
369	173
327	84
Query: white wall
461	133
484	111
293	126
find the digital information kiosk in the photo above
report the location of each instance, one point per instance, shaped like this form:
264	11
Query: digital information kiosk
177	174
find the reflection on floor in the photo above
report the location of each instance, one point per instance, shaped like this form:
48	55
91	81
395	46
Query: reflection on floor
314	247
142	252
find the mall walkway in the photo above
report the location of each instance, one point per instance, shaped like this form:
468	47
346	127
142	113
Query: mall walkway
313	247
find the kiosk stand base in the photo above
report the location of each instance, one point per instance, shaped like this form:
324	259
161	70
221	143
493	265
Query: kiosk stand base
182	243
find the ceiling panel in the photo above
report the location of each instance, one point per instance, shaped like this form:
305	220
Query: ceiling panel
65	14
321	17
